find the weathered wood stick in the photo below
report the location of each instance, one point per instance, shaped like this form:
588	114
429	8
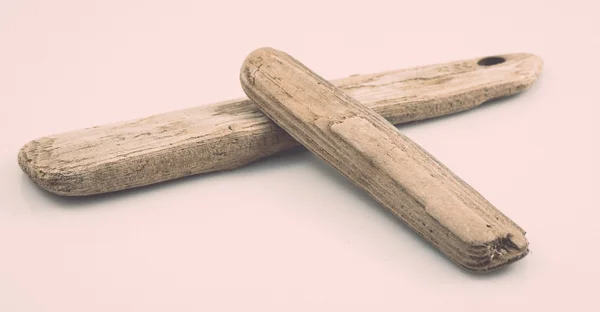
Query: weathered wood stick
373	154
231	134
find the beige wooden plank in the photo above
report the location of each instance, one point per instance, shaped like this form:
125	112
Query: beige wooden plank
377	157
233	133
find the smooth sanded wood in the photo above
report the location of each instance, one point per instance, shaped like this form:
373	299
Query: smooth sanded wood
373	154
234	133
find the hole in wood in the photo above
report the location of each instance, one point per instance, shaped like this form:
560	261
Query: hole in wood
492	60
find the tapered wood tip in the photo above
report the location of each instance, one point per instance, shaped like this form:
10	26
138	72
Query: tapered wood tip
34	159
524	68
250	65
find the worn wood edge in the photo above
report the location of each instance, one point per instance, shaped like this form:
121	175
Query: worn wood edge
242	134
484	239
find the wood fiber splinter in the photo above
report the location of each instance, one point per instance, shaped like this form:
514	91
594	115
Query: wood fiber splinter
373	154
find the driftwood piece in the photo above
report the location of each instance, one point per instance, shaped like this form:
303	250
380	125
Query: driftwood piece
231	134
373	154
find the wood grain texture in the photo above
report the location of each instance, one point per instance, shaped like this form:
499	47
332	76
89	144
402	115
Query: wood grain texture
373	154
234	133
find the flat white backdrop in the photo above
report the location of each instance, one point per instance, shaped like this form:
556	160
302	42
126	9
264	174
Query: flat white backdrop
289	233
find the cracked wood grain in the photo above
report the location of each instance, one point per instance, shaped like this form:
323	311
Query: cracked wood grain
378	158
231	134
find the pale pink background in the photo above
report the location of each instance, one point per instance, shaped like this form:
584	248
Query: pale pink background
290	234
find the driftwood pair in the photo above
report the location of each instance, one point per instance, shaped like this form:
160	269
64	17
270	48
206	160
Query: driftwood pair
354	138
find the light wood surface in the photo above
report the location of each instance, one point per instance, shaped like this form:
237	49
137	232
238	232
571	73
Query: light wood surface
372	153
231	134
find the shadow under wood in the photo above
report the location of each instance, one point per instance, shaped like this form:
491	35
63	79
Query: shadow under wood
484	106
